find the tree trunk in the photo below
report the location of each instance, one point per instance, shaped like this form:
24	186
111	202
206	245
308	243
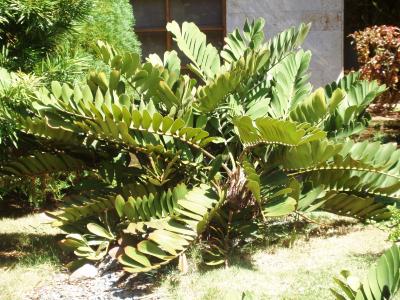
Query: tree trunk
238	195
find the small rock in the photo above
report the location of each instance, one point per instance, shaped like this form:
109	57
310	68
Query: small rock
109	264
84	272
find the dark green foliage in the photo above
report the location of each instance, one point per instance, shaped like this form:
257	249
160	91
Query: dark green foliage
38	192
16	96
55	38
66	64
109	21
30	29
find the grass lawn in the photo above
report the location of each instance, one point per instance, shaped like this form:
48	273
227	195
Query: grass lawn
30	257
304	271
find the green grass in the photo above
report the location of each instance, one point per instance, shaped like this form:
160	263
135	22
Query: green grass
29	255
304	271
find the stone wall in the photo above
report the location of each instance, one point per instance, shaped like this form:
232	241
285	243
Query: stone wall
325	39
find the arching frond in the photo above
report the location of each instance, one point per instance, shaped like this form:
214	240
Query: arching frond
192	42
291	84
346	204
168	238
272	131
350	116
41	164
286	42
237	43
316	108
231	79
381	282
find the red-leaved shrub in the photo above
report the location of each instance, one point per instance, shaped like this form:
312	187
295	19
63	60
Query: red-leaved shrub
378	52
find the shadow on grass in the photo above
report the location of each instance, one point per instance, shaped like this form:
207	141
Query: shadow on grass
14	210
369	258
30	249
14	207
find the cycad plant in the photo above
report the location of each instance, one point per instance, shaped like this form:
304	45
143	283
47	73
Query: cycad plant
382	281
165	159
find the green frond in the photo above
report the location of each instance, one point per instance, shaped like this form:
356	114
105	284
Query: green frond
257	101
86	247
279	207
41	164
354	127
316	108
105	51
192	42
236	43
154	204
345	83
138	129
253	179
79	207
305	156
381	282
170	61
350	116
280	194
286	42
210	96
383	156
157	80
62	133
104	120
361	167
354	178
346	204
349	155
272	131
167	239
291	83
230	79
118	174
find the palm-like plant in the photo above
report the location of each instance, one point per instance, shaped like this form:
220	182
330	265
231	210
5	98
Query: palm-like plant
169	159
382	281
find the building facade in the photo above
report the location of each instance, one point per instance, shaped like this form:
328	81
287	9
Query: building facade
216	17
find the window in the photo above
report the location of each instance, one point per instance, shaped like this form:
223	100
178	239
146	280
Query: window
153	16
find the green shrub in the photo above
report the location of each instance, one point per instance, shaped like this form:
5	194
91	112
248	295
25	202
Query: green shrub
55	38
167	161
16	97
31	29
36	192
111	21
65	64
